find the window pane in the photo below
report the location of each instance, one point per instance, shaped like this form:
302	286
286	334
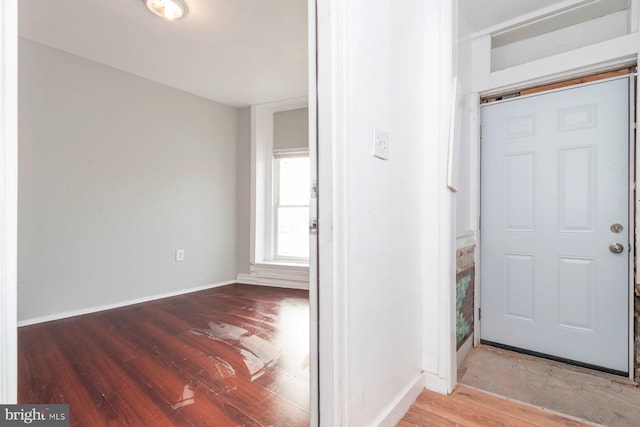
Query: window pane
293	232
294	181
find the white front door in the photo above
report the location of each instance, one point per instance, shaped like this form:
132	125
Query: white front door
555	182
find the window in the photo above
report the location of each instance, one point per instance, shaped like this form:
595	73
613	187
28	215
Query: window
291	185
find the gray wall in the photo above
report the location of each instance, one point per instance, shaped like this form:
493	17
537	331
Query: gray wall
291	129
115	173
244	189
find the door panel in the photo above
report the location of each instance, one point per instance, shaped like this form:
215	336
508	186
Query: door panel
520	196
555	177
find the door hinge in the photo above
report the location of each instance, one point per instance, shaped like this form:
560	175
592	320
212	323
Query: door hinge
313	226
479	313
314	189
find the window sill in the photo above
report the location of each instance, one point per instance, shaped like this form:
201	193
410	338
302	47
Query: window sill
283	263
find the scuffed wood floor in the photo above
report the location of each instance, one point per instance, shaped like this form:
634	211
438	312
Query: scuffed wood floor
469	407
230	356
600	398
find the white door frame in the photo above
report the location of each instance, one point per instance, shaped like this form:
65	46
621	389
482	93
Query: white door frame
330	100
312	104
633	220
8	200
634	208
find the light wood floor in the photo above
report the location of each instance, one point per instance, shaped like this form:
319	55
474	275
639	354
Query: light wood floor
231	356
601	398
470	407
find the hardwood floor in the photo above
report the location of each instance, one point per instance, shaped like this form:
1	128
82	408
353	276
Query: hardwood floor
231	356
470	407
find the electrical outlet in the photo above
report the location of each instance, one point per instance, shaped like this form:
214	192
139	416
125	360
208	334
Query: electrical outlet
179	255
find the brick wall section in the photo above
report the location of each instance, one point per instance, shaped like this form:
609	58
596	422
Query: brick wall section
465	272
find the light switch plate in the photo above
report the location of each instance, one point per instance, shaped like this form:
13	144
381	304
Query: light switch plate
380	143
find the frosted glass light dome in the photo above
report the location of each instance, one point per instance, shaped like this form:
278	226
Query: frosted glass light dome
167	9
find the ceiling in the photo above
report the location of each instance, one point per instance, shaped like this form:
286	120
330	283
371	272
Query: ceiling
237	52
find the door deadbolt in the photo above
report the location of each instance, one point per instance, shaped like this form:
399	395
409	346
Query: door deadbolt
616	248
616	228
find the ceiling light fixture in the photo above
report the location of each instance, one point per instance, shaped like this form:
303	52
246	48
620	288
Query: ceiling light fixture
167	9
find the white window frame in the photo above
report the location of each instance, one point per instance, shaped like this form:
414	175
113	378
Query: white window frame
279	154
262	128
262	269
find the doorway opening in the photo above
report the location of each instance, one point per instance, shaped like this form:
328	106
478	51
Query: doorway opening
179	145
515	367
556	192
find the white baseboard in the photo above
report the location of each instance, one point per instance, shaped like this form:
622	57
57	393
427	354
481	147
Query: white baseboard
275	275
435	383
120	304
245	279
398	408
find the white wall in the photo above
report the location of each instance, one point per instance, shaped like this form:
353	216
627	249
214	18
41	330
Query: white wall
380	206
243	189
465	211
115	173
387	305
291	129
